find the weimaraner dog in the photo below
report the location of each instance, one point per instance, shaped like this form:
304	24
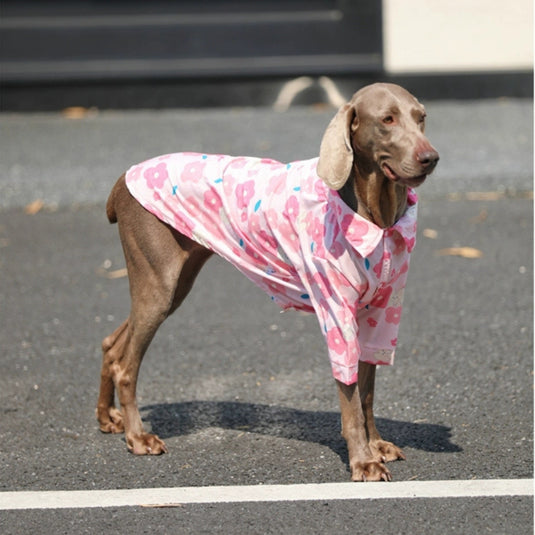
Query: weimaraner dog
332	236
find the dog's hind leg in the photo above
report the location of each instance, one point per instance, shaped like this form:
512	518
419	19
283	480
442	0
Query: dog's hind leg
162	266
109	417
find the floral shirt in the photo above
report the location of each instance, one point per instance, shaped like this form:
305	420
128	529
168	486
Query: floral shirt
295	238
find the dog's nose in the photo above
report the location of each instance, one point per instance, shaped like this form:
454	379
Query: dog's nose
428	158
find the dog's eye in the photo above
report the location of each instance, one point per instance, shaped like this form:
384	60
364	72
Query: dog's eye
389	119
422	118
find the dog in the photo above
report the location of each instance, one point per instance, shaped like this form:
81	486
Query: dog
332	236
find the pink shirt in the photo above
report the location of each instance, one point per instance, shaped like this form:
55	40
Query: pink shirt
295	238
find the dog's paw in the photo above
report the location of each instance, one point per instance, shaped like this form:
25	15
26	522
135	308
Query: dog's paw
386	451
146	444
110	420
370	471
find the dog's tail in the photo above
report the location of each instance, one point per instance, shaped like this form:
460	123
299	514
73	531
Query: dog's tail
110	208
110	205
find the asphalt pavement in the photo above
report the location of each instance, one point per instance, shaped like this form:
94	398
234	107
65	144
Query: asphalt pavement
241	393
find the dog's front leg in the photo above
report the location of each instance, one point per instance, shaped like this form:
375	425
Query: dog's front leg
386	451
364	464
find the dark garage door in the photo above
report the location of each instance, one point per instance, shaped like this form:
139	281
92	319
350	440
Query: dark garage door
65	41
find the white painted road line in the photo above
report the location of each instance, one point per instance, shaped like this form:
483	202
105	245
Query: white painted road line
168	497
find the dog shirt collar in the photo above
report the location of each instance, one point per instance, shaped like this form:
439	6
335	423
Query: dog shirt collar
364	235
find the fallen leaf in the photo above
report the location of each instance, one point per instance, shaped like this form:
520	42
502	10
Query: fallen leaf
477	196
430	233
116	274
465	252
490	195
485	195
34	207
482	216
77	112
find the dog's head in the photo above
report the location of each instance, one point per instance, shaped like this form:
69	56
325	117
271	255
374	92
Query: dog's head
380	130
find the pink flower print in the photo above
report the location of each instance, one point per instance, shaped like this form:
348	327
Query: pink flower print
271	218
257	257
338	207
244	194
156	176
291	209
315	186
394	342
135	172
322	311
229	183
372	322
335	340
276	184
316	232
268	240
192	205
193	171
320	189
205	224
275	288
322	282
399	243
239	163
337	249
309	185
255	225
333	237
256	229
182	220
212	201
378	268
393	315
350	305
411	242
238	252
381	297
354	230
288	235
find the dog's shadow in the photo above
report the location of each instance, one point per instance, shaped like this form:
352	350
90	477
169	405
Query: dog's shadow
175	419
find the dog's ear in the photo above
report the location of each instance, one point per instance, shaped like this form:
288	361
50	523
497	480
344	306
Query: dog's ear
336	152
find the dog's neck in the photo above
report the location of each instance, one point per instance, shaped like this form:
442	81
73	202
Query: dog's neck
374	197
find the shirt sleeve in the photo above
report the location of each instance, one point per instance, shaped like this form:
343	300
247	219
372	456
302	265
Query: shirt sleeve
379	325
334	301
